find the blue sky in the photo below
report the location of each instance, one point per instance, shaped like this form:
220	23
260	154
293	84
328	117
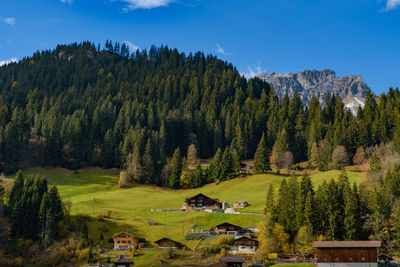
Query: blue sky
348	36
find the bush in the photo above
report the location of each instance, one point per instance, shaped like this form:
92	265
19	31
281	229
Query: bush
225	241
195	236
108	214
151	221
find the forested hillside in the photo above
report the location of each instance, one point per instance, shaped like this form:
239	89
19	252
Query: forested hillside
81	104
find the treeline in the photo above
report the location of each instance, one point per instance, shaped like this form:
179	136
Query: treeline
336	210
33	211
85	105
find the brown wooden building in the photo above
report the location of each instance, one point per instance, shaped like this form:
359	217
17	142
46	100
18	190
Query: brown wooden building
125	240
168	243
231	261
201	201
226	228
245	244
349	253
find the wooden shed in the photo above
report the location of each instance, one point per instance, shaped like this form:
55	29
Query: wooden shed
231	261
349	253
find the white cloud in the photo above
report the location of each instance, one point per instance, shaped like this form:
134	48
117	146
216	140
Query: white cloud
145	4
253	71
132	47
69	2
392	4
6	62
9	21
222	51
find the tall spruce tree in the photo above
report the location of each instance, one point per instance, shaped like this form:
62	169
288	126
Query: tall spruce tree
261	157
176	170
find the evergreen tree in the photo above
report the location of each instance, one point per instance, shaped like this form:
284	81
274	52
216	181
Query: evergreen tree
314	158
176	170
215	166
226	165
261	158
197	176
351	219
270	200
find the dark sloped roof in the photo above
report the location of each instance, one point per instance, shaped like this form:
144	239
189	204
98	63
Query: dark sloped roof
245	237
347	244
231	259
168	239
226	223
200	194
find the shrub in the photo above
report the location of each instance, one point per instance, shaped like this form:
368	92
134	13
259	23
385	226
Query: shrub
108	214
151	221
225	241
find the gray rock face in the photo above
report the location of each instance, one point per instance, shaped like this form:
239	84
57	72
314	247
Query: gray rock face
308	83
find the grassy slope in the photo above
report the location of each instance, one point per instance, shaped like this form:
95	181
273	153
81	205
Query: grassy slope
133	205
94	191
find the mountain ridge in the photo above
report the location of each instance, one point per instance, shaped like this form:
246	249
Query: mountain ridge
313	83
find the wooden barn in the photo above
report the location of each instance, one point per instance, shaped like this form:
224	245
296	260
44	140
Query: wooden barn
125	240
201	201
347	253
165	243
226	229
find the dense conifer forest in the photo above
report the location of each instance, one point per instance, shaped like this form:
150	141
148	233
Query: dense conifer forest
82	104
154	114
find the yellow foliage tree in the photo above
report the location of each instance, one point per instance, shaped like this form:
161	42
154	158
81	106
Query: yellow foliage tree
185	179
305	240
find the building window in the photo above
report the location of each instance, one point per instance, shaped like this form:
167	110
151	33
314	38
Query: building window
337	259
362	258
350	259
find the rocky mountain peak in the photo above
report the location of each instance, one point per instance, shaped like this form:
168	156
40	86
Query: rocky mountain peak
308	83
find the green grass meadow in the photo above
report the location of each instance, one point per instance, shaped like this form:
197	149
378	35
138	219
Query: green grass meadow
94	191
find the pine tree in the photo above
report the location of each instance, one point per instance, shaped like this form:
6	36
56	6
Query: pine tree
107	156
226	165
261	157
176	170
314	159
270	200
215	166
309	211
351	219
197	176
148	168
396	224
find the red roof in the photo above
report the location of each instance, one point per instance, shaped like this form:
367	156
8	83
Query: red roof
347	244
